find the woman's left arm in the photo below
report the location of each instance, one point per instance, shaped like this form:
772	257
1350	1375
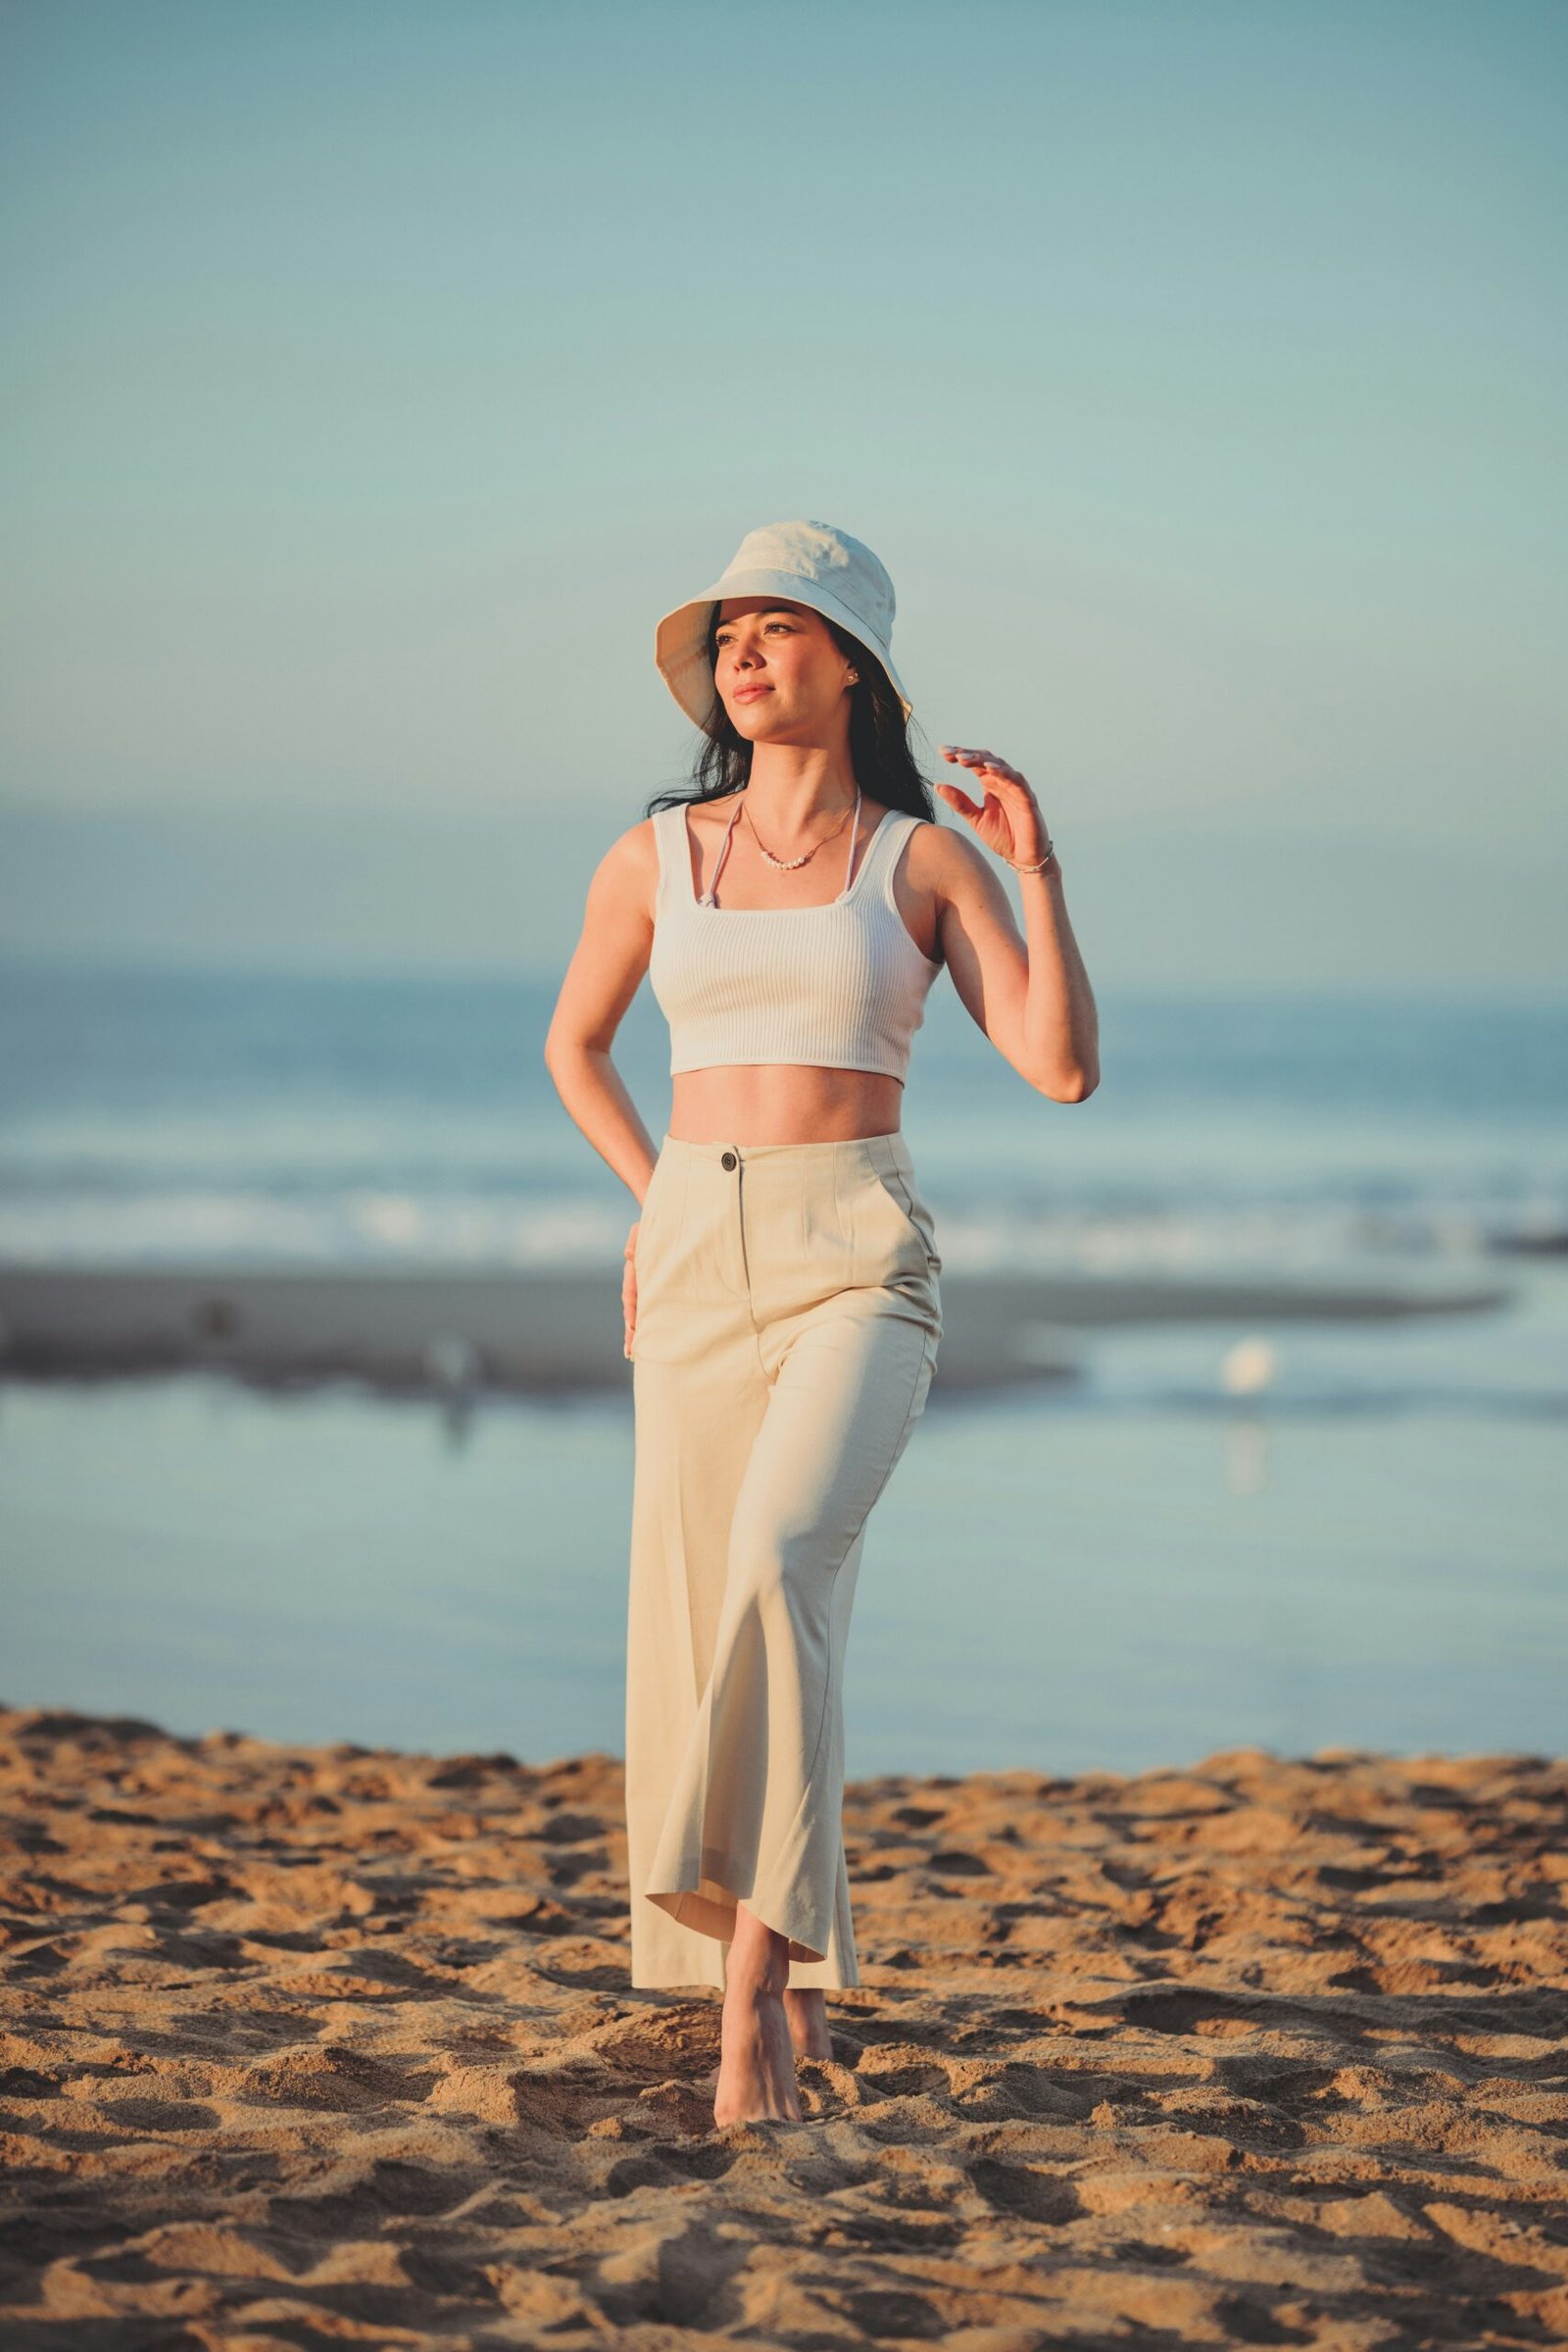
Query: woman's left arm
1029	993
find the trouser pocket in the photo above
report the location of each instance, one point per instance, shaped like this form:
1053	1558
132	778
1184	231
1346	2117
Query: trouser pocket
910	1219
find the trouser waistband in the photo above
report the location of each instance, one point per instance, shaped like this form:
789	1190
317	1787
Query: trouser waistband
874	1151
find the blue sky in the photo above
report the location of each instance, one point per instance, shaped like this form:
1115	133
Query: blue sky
378	373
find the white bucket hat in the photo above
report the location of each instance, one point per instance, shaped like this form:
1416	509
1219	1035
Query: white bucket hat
801	563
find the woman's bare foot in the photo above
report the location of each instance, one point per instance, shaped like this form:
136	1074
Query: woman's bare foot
806	2011
756	2064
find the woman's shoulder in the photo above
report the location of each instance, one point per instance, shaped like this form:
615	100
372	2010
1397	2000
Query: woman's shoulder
634	857
636	841
939	860
926	836
881	816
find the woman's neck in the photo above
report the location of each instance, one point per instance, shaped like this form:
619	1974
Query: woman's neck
799	787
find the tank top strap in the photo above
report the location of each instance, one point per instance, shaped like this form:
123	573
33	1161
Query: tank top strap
886	843
670	846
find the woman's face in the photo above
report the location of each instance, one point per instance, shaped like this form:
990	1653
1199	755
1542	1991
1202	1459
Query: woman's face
779	674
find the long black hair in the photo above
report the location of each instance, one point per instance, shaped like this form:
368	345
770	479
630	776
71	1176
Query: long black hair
879	741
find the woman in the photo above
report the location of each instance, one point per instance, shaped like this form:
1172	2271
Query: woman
780	1292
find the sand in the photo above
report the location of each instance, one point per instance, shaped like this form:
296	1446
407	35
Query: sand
309	2046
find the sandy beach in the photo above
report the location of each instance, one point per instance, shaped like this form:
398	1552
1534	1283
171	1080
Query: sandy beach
308	2044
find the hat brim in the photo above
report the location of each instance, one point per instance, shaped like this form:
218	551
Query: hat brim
680	643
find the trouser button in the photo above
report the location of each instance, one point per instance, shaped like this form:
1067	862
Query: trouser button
729	1160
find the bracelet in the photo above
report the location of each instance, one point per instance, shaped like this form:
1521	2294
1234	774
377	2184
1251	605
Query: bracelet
1051	852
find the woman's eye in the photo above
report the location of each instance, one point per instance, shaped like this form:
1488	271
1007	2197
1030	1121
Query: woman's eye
719	643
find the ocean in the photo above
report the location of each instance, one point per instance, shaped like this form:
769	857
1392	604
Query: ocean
1211	1532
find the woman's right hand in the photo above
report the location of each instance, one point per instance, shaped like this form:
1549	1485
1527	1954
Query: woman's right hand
628	1288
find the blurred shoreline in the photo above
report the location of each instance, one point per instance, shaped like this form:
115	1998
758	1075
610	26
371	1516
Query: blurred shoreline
503	1328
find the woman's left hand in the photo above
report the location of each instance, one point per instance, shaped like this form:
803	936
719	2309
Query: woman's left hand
1011	821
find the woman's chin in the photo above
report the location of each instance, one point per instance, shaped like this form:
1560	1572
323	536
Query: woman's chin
754	721
766	722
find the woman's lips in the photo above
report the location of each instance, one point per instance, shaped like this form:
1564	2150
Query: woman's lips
749	694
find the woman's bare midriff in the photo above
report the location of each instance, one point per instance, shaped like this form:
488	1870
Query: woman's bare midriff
782	1102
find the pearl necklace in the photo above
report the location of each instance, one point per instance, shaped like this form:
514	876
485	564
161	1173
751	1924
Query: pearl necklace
786	865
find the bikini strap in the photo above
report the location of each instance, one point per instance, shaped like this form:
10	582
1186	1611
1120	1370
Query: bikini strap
706	899
854	827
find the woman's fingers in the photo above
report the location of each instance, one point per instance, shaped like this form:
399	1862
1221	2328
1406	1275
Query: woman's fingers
972	757
974	811
957	797
1010	810
628	1291
986	761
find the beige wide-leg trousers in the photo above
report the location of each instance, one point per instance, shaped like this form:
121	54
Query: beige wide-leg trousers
786	1333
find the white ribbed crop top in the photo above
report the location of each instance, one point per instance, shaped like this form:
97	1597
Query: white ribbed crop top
841	986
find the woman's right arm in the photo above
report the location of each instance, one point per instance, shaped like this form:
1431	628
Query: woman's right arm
605	971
